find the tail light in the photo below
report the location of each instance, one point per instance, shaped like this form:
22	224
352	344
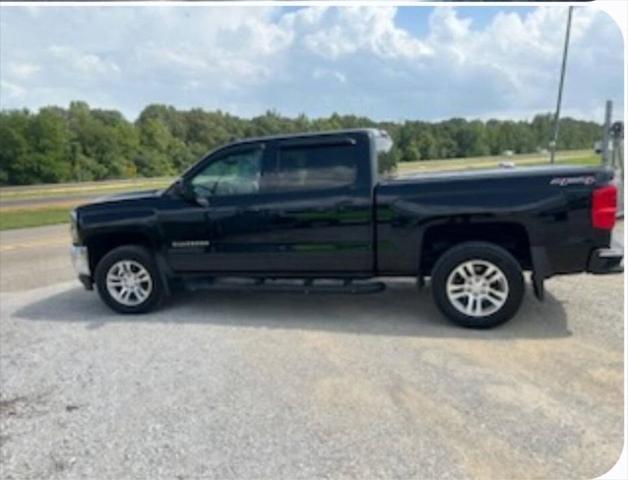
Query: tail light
604	207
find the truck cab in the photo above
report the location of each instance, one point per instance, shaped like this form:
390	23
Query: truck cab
291	205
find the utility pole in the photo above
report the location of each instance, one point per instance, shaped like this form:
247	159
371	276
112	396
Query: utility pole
560	87
606	141
617	162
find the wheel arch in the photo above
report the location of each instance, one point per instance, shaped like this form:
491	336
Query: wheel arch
438	239
99	244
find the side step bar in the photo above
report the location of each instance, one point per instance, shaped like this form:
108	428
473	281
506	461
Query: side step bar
285	285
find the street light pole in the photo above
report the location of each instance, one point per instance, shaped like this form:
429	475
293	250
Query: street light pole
606	141
560	87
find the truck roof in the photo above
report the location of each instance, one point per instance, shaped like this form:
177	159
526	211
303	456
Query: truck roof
304	135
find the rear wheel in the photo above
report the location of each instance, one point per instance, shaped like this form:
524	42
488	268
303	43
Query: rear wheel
478	285
128	280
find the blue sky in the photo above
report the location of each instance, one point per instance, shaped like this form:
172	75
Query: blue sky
387	63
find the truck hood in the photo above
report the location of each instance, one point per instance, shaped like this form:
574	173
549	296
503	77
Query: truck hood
126	197
141	194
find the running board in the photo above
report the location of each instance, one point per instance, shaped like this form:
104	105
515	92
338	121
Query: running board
285	285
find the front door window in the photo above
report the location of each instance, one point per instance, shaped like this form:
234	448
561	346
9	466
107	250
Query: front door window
236	173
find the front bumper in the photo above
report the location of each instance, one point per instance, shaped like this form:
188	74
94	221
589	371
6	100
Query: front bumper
80	262
606	260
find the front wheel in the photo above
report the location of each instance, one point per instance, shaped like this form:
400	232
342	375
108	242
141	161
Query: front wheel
477	285
128	280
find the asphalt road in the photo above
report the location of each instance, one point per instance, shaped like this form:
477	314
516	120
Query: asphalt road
226	385
34	257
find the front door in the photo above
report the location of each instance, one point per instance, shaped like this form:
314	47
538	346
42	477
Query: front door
216	233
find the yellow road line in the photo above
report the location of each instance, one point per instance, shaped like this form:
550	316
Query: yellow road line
43	242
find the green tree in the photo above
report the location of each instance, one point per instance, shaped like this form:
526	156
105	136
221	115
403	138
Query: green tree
81	143
14	153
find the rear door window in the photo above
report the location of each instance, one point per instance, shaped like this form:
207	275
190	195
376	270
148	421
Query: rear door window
313	167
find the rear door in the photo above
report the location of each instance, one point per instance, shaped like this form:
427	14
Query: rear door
317	205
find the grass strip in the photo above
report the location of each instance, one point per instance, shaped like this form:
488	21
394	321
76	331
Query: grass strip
578	157
33	218
80	189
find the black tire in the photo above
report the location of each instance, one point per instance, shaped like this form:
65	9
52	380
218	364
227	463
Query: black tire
143	257
486	252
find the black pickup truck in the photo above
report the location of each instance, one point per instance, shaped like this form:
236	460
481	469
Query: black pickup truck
309	212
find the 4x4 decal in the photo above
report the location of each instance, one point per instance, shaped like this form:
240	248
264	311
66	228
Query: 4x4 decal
564	181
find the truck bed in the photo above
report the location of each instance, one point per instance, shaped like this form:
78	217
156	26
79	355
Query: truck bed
495	173
545	205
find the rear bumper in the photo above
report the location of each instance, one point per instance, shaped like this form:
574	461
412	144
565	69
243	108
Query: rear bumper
606	260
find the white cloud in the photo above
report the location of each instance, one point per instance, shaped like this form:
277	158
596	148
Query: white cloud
325	74
313	60
10	91
447	26
80	62
337	32
23	70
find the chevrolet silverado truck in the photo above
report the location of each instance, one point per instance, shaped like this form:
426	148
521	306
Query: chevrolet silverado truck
309	212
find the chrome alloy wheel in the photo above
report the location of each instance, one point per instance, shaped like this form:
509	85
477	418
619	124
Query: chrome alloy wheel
129	283
477	288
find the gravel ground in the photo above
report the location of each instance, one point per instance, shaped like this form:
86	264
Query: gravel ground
236	385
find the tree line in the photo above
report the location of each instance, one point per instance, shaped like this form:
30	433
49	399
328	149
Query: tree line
81	143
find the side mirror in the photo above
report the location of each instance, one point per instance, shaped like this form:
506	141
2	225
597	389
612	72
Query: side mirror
184	190
181	189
